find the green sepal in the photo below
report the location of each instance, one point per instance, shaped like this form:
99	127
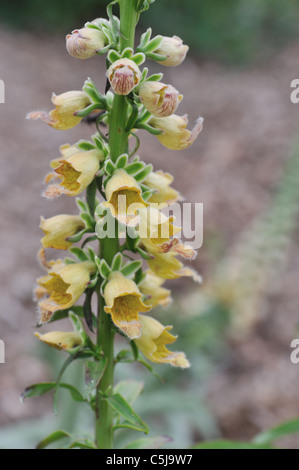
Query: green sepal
121	161
104	269
131	268
143	173
80	254
116	262
134	168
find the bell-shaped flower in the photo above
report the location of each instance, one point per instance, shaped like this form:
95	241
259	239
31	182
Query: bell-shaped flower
61	340
75	172
63	117
167	266
123	75
64	284
153	343
85	42
160	182
151	287
124	197
159	99
58	229
154	227
123	302
175	134
174	50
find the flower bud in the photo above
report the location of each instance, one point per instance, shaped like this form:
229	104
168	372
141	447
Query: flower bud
123	76
174	49
85	42
159	99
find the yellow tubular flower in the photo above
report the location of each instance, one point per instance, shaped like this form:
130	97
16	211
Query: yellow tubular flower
66	105
175	135
58	229
151	287
124	197
153	340
61	340
164	193
76	171
64	284
155	227
167	266
123	302
159	99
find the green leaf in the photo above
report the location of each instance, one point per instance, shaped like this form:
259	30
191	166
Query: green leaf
122	407
54	437
131	268
270	435
229	445
75	394
37	390
94	371
130	389
78	253
157	442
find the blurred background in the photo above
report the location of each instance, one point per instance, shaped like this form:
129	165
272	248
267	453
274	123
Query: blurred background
237	327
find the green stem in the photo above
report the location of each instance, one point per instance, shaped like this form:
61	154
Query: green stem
118	142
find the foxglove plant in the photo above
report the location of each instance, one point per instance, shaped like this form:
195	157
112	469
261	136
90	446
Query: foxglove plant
121	191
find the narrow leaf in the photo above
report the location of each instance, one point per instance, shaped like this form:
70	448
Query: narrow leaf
285	429
122	407
131	268
54	437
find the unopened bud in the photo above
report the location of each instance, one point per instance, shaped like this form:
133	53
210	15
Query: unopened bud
174	49
85	42
123	76
159	99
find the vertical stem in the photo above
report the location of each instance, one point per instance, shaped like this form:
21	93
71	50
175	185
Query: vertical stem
118	141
